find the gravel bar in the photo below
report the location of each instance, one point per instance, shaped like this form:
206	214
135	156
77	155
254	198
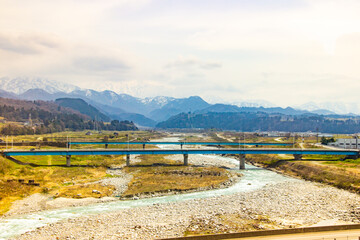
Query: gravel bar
288	203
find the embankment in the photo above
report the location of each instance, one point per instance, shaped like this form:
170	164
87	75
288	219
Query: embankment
339	177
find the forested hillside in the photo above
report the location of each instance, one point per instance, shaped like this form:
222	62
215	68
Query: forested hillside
83	107
38	117
264	122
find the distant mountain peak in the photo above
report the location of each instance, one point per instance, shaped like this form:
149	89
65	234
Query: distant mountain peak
20	85
334	107
158	101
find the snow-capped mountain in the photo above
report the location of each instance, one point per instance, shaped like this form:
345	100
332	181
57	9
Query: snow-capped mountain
255	103
20	85
157	108
336	107
158	101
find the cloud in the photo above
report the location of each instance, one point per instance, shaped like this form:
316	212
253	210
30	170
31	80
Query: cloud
274	50
27	44
190	62
210	65
100	64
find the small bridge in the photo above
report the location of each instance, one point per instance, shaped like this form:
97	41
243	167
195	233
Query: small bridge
298	153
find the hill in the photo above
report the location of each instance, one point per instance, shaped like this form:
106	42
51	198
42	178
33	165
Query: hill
38	117
39	105
233	108
177	106
83	107
264	122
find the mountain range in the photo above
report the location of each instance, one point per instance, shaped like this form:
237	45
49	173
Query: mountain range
263	122
146	112
21	84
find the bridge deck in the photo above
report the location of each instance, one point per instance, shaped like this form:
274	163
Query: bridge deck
185	143
180	151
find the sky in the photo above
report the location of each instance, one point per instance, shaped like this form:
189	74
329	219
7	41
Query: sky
284	52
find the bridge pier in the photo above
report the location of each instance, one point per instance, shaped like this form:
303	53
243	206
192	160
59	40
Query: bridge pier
186	159
127	160
144	146
68	160
181	145
298	156
106	145
242	161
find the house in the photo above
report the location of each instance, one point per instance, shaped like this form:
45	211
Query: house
88	133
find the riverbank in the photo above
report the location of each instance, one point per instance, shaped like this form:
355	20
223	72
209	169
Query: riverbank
283	205
292	203
198	179
341	174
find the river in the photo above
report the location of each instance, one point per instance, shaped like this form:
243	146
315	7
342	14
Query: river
253	178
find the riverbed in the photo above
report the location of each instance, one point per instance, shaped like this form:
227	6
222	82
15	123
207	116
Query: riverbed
288	201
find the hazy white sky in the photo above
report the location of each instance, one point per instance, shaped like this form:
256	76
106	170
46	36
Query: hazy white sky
285	52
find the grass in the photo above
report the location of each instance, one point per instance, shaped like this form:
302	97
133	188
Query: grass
264	160
55	180
85	190
325	169
89	160
58	140
149	160
96	136
152	174
12	191
338	177
170	177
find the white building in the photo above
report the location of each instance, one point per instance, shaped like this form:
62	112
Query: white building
347	143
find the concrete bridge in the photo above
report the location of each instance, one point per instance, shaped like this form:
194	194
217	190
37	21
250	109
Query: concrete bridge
298	153
181	143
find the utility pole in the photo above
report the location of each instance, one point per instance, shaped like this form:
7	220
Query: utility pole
127	135
294	140
356	141
244	140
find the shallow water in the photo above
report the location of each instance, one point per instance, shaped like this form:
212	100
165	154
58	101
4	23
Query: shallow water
253	178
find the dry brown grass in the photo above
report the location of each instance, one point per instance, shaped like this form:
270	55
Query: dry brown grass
174	178
170	177
84	191
337	177
154	160
11	191
342	174
52	180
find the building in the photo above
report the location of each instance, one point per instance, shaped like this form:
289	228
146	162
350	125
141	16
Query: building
347	143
